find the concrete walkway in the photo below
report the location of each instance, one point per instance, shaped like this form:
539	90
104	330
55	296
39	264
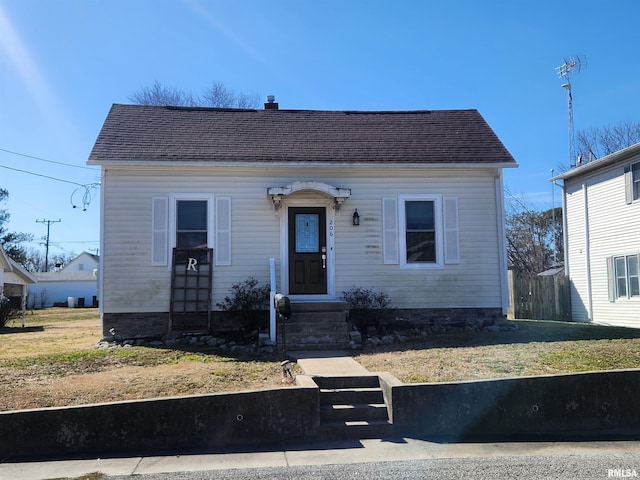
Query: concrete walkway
328	364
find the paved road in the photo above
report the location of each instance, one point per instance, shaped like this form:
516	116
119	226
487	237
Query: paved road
397	458
503	468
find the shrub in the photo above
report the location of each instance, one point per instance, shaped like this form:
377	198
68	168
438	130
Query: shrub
8	311
366	299
247	301
368	307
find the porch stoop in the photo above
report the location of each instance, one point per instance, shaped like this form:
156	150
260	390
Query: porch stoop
315	326
352	407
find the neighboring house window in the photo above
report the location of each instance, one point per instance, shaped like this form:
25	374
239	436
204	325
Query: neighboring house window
632	182
624	278
420	231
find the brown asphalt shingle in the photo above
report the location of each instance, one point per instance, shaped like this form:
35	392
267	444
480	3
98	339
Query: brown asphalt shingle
151	133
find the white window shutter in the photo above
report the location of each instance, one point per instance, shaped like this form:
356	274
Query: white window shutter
160	231
451	236
628	185
390	230
222	246
611	280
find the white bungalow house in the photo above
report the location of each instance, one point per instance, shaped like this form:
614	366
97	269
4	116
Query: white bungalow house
75	284
14	281
601	203
408	203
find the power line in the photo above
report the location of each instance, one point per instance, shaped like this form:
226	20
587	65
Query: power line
86	188
41	175
45	160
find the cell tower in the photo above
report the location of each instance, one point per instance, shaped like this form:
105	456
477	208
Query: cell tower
569	66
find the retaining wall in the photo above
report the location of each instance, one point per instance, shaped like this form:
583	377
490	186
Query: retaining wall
181	423
590	404
596	403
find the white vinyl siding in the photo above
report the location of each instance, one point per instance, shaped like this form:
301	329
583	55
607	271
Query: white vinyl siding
362	254
603	228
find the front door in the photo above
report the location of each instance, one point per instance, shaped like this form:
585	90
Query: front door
307	250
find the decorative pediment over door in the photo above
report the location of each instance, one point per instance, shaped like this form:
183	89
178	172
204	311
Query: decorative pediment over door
339	195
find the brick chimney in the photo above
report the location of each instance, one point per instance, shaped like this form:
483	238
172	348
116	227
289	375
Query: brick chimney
271	103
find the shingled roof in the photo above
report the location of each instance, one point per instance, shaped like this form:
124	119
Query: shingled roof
137	133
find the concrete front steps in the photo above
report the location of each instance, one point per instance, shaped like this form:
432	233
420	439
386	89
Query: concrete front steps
352	407
316	326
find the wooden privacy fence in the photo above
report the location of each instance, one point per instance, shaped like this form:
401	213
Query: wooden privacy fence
539	297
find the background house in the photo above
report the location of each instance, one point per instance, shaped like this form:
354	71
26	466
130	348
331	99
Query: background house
76	284
252	185
601	205
14	281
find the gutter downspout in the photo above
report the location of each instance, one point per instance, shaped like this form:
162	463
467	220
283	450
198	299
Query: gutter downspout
103	184
502	244
587	247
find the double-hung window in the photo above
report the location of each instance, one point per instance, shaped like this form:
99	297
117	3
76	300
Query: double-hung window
420	231
624	277
191	221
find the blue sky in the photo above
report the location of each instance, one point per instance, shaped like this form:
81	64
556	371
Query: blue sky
64	62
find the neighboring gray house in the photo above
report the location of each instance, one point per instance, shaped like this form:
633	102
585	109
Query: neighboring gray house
409	203
602	238
76	284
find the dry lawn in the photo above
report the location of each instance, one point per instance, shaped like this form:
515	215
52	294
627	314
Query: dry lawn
536	348
54	362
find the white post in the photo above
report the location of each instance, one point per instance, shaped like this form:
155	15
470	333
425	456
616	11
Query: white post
23	304
272	307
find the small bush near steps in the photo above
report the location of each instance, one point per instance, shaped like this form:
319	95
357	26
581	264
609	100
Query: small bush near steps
248	301
368	308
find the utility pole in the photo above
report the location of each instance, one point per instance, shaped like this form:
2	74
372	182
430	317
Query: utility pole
46	251
553	220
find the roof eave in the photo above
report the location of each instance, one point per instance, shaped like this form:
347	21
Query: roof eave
608	160
120	164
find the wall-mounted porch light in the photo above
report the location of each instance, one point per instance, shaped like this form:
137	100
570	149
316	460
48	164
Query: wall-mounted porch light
356	218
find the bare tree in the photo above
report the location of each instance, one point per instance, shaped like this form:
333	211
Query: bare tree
216	96
598	142
35	261
530	237
161	95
